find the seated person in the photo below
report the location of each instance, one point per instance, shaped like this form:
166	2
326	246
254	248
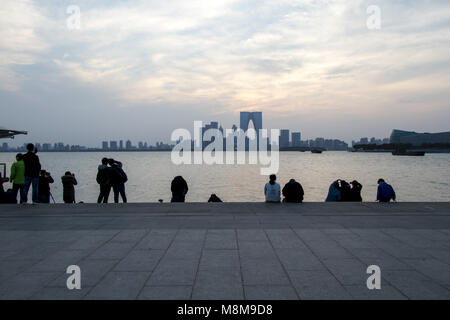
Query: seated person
272	190
179	189
293	192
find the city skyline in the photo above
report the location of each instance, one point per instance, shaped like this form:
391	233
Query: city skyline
141	69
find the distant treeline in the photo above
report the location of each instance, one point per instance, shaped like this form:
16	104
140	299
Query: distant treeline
401	146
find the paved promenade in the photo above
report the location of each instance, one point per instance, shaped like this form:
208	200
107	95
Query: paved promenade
225	251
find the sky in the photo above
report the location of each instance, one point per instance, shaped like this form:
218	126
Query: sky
140	69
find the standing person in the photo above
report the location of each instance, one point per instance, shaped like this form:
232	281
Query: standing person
333	192
293	192
45	179
355	191
179	189
104	181
118	178
385	192
32	169
68	180
272	190
17	177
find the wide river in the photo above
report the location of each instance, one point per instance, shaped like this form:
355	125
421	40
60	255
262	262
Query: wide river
150	173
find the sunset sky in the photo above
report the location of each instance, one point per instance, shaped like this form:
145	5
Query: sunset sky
139	69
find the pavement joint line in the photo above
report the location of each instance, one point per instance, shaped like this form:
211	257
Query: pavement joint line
282	266
240	264
159	261
199	261
114	265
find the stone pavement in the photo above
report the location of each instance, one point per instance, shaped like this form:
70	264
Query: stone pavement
225	250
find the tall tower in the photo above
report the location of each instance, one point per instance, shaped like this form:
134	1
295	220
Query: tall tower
255	117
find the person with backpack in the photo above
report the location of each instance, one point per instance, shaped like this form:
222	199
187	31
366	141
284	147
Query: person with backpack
117	178
104	181
179	189
272	190
17	177
293	192
68	180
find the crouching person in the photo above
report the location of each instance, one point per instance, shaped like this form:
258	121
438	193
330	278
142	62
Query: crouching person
69	181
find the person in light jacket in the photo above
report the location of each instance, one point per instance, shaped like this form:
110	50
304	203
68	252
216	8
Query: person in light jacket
272	190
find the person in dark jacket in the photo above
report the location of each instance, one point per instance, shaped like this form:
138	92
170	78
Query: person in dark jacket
45	179
179	189
344	188
104	181
293	192
355	191
69	181
385	192
117	178
32	169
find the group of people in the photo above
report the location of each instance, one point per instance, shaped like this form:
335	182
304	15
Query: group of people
27	173
341	190
110	175
292	191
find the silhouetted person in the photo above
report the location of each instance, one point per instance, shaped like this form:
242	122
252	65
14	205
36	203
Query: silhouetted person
117	178
344	188
32	169
334	194
214	198
385	192
69	181
293	192
355	191
103	180
17	177
45	179
6	196
179	189
272	190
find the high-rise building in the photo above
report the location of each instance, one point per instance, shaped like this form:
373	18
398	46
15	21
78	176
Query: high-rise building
121	144
113	145
105	145
128	145
284	138
296	139
255	117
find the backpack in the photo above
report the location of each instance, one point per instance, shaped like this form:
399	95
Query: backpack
122	174
102	176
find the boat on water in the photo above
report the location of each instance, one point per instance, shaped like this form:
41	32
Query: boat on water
408	153
316	151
